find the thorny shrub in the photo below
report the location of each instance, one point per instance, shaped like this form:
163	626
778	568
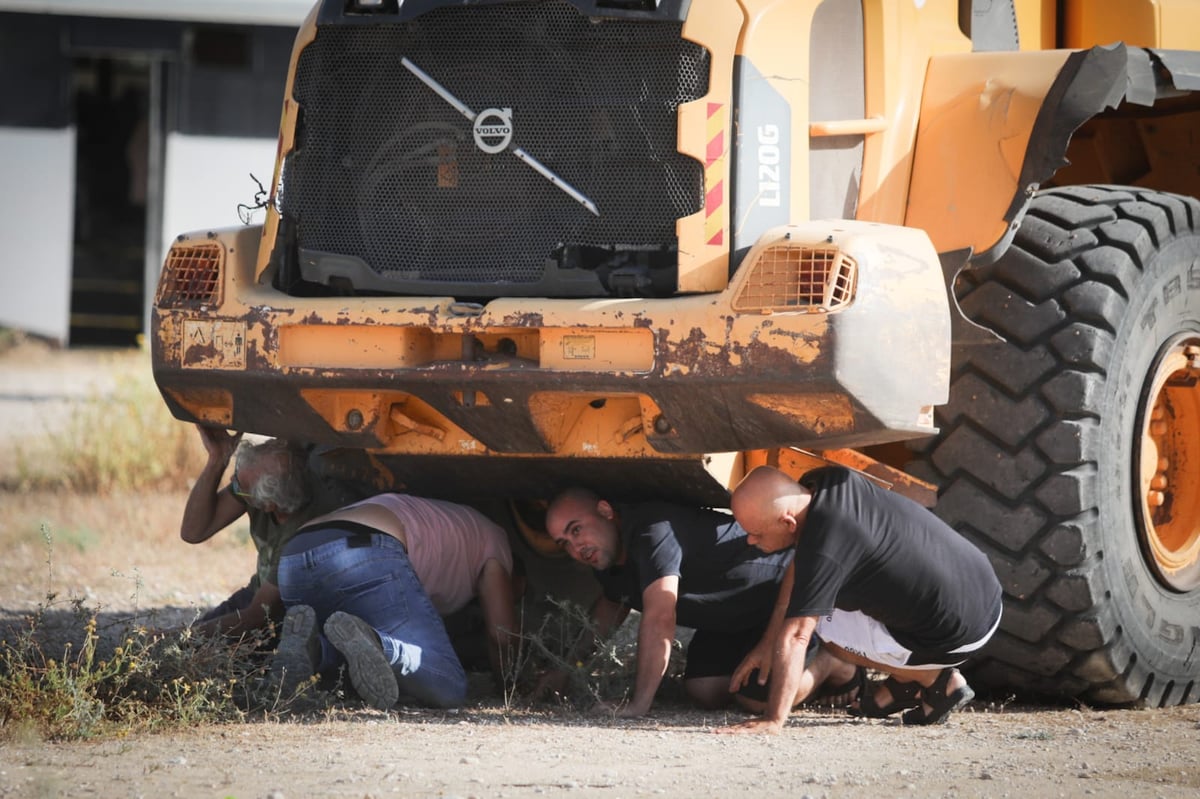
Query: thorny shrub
66	673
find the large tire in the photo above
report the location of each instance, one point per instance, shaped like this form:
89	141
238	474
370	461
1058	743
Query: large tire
1070	452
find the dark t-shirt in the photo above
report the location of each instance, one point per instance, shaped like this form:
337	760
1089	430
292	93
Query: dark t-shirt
865	548
725	585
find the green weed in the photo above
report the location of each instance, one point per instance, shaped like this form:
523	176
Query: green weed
81	539
139	679
68	672
9	338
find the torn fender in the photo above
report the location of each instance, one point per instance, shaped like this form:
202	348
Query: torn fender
995	126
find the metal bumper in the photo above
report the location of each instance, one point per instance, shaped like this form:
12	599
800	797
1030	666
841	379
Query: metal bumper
573	381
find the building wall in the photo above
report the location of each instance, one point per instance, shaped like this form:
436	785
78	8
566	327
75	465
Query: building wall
37	178
207	177
236	12
214	93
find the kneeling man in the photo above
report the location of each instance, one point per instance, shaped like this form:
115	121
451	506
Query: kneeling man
881	580
685	566
375	578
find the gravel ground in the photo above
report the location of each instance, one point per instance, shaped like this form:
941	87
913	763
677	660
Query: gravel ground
1025	752
123	554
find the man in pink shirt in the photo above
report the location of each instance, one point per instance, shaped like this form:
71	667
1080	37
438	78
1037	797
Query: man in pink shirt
366	586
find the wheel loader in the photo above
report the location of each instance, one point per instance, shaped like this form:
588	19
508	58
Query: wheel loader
647	245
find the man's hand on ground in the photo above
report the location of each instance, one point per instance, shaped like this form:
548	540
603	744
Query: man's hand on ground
619	710
752	727
632	711
551	683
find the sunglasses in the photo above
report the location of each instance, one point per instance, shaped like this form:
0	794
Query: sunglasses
236	487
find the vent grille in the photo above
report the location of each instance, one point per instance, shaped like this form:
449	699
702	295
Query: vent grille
789	278
191	276
388	171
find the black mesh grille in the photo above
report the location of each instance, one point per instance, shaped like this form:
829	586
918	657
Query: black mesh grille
388	172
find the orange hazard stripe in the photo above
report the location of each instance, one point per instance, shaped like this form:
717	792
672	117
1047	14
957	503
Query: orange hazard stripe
714	176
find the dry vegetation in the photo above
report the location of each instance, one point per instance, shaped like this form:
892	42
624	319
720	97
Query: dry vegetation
92	485
92	481
93	476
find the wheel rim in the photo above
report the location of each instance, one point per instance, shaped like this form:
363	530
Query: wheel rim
1169	465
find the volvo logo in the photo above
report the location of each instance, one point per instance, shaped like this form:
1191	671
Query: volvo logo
493	130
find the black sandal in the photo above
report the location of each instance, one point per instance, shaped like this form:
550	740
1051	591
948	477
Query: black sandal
825	695
905	695
941	702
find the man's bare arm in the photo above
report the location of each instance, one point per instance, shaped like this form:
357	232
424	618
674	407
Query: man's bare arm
655	637
790	650
267	605
495	592
208	509
761	656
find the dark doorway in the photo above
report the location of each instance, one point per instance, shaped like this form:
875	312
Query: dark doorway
111	97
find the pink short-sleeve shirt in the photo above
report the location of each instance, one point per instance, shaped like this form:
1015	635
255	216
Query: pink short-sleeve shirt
448	544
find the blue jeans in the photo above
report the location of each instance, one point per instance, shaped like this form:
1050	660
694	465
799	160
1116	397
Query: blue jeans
370	576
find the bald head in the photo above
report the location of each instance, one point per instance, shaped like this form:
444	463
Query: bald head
771	506
572	501
584	526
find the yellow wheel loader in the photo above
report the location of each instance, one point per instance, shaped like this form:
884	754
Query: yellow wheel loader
645	245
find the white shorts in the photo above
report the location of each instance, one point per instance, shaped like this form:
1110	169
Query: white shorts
857	632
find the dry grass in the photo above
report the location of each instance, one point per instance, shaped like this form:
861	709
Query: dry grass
91	490
99	425
90	583
93	461
120	551
91	496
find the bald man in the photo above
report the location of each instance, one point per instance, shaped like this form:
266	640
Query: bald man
688	566
881	580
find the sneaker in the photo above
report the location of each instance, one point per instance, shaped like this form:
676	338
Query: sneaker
370	673
299	651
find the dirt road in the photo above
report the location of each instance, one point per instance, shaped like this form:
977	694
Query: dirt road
123	554
481	753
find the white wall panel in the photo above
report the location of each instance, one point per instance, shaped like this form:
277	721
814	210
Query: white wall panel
206	178
37	189
231	12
